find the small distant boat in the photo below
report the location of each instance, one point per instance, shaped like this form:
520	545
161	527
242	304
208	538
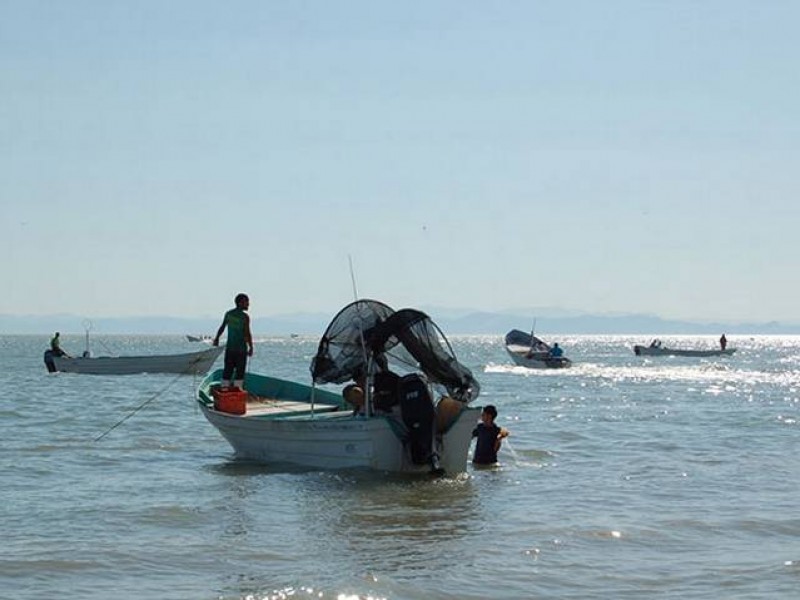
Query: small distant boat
199	338
656	349
191	363
397	428
529	351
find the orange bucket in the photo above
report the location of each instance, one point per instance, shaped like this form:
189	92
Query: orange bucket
230	401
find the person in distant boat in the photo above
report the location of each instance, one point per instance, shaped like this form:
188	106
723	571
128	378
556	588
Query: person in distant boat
655	343
55	346
489	437
723	342
556	351
240	342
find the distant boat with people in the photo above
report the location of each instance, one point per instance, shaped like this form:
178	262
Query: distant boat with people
185	363
527	350
656	348
199	338
189	363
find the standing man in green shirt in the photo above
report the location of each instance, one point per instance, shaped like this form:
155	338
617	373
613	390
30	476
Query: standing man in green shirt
240	342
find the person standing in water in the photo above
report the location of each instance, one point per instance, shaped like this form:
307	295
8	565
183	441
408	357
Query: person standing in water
489	437
240	342
723	342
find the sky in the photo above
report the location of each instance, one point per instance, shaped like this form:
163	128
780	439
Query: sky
156	158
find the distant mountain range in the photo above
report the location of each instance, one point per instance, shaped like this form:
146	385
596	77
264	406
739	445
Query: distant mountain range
451	322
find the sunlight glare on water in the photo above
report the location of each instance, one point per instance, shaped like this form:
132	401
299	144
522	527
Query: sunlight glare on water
623	476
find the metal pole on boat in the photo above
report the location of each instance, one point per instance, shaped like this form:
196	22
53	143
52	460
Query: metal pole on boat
369	384
367	356
533	332
87	325
352	277
436	441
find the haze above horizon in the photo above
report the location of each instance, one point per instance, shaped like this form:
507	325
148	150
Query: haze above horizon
615	157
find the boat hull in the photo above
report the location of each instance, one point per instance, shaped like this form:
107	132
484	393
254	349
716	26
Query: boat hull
192	363
522	357
326	434
338	441
661	351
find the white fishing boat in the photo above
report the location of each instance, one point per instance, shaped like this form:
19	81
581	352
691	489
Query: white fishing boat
656	349
394	426
527	350
190	363
199	338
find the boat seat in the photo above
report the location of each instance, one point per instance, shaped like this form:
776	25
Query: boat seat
263	406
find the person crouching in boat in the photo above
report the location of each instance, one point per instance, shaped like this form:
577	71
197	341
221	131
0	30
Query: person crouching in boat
384	396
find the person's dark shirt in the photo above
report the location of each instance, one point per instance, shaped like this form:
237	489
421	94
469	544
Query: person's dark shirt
485	453
385	387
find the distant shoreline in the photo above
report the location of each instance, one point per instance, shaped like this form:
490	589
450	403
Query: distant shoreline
476	323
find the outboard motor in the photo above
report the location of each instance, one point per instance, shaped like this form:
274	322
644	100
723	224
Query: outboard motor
416	408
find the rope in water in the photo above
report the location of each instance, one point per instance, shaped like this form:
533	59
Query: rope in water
138	408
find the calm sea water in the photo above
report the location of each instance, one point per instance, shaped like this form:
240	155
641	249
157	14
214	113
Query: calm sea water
624	477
